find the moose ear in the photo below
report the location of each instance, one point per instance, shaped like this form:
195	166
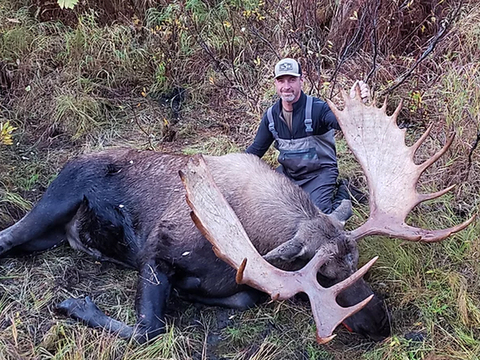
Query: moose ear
343	212
286	252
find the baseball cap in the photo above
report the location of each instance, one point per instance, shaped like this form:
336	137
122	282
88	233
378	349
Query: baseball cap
287	66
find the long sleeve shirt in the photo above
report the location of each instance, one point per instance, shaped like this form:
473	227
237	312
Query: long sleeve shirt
323	120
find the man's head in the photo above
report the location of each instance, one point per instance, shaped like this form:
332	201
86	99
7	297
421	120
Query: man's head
288	80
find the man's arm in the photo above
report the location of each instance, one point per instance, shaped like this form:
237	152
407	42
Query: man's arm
263	139
323	118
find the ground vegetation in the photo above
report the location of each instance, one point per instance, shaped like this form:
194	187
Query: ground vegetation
190	76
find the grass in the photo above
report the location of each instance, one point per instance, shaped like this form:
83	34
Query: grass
15	199
91	86
82	113
217	145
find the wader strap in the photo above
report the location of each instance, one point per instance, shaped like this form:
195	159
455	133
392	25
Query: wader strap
308	115
271	124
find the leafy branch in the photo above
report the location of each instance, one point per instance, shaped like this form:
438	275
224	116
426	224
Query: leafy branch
67	4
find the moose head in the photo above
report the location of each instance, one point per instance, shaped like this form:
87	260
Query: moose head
392	175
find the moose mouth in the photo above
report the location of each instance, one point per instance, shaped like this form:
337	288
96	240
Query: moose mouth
389	207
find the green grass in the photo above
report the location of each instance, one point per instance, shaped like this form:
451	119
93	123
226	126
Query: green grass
217	145
89	87
15	199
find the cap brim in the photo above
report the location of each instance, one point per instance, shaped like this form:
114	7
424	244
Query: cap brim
287	73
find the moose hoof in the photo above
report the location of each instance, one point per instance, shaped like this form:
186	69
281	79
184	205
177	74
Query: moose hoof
81	309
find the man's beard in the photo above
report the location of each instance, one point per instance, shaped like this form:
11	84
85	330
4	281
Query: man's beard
288	97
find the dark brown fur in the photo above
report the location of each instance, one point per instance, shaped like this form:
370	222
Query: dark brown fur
129	207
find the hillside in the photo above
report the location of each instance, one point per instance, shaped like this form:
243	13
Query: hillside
195	76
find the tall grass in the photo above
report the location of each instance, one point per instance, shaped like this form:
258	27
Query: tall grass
87	86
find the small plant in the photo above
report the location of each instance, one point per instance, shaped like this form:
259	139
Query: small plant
80	115
6	131
67	4
11	198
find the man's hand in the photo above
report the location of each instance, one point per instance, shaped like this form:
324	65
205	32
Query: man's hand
364	90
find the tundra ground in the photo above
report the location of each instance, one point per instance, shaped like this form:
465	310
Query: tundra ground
189	77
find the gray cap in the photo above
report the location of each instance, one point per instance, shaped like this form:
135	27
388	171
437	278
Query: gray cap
287	66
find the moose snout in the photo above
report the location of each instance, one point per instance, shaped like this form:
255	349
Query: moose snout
373	321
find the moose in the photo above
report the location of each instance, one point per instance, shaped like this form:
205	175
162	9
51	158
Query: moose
128	207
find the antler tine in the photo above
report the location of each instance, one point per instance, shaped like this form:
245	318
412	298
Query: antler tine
358	91
392	175
395	114
342	285
322	255
384	106
424	197
421	139
327	313
437	156
220	225
241	269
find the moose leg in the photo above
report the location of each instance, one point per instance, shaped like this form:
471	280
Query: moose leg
43	223
53	239
242	300
87	312
57	206
152	294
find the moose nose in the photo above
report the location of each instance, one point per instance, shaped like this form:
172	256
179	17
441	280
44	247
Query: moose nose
373	322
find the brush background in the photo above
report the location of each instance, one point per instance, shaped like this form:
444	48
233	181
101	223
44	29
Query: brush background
195	76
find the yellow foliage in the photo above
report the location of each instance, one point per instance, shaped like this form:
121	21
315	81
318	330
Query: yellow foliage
6	133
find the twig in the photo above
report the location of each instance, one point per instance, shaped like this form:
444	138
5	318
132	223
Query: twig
346	51
268	43
137	122
231	48
294	16
375	42
218	64
444	26
472	149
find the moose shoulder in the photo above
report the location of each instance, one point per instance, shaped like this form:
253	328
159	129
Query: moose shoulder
128	207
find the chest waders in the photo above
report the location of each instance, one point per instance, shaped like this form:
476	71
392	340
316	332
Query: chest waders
305	157
310	162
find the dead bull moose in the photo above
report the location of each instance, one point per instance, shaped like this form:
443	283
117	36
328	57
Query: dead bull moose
128	207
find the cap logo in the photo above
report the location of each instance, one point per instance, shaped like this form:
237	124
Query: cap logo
285	67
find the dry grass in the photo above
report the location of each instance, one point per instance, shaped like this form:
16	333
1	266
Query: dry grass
88	87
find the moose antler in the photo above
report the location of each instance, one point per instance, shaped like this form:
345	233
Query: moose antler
220	225
379	146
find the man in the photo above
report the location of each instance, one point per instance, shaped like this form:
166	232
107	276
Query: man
303	130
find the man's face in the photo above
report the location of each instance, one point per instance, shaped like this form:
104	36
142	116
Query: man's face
289	87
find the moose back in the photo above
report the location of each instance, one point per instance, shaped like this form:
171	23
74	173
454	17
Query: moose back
128	207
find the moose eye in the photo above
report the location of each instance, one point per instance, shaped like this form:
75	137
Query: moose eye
325	280
349	258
